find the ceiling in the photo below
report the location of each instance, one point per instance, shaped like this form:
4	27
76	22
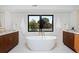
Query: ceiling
25	8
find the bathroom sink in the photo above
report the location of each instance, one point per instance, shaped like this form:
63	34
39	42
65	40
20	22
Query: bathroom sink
72	31
2	32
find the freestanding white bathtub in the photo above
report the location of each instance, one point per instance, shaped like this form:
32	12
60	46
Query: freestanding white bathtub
41	42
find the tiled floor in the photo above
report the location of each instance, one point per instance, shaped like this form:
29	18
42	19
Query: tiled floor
22	48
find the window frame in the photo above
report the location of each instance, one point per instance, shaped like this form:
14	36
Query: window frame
40	18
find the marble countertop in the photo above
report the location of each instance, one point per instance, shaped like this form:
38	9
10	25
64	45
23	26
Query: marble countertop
6	32
72	31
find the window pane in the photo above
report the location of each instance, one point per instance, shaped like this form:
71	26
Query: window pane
42	23
33	23
47	23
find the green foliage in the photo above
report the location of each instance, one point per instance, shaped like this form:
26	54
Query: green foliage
47	24
46	20
33	24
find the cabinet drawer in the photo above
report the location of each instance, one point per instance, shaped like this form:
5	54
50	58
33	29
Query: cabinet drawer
68	34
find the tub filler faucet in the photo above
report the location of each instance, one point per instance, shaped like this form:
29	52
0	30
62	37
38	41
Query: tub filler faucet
41	33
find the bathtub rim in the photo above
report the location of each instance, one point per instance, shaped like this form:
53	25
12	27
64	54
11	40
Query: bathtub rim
46	37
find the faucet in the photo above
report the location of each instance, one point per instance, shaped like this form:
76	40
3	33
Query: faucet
73	28
41	33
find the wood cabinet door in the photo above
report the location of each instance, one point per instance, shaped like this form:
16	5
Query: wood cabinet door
14	38
2	45
8	41
76	43
5	43
68	39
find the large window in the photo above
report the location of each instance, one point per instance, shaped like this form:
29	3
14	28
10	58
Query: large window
40	23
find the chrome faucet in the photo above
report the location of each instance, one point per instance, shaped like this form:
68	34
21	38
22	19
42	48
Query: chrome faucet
41	33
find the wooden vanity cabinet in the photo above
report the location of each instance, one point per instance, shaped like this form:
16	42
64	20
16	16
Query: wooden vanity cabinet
68	39
71	40
76	43
8	41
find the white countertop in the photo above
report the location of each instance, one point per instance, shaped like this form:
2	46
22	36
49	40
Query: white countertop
72	31
6	32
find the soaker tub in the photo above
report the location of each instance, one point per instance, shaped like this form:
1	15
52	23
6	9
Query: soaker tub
41	42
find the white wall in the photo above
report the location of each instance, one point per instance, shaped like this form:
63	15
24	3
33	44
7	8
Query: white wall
75	19
8	20
2	19
20	21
